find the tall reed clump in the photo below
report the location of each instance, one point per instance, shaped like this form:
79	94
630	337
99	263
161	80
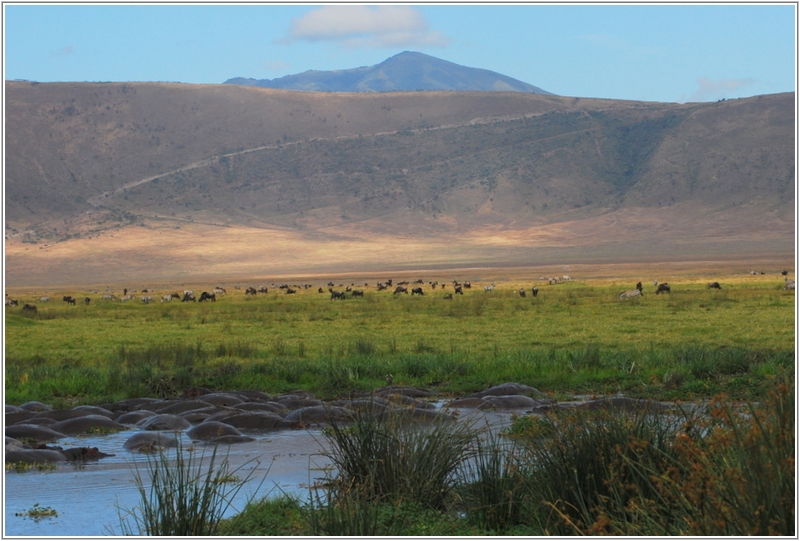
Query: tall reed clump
590	473
494	488
740	478
183	499
724	472
383	460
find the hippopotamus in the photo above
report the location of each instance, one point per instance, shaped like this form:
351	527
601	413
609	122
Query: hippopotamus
148	442
252	420
216	432
96	410
292	403
508	389
469	402
165	421
134	417
260	406
35	406
33	433
18	417
178	407
508	402
221	399
319	415
87	424
132	404
252	396
60	415
54	454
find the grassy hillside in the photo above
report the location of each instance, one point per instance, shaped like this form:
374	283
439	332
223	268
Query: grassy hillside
474	177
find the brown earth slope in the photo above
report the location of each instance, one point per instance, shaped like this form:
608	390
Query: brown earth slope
120	181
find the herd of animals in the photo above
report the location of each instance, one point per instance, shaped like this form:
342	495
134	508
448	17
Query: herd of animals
399	288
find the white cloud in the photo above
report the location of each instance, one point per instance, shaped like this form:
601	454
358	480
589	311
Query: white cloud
366	27
709	90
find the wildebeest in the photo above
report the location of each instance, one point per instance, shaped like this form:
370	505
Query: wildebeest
458	290
206	296
522	292
188	296
69	299
663	288
219	290
417	291
263	289
400	289
714	285
639	286
535	291
250	291
358	293
468	285
448	296
29	308
320	290
87	300
337	294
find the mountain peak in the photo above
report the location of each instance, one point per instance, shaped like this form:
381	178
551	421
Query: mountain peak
406	71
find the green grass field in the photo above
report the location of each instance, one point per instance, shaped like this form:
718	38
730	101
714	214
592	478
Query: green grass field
575	337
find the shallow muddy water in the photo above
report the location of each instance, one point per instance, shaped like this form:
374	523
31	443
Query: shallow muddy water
90	498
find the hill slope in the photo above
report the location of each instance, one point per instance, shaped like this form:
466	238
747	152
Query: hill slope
227	177
407	71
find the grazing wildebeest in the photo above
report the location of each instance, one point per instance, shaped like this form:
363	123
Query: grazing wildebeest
206	296
467	285
448	296
714	285
535	291
663	288
290	291
69	299
417	291
458	290
336	294
188	296
522	292
382	286
400	289
29	308
87	300
250	291
358	293
263	289
219	290
147	299
320	290
784	273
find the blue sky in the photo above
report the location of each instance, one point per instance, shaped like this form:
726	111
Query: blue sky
651	52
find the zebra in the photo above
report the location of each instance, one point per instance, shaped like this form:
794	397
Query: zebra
489	289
